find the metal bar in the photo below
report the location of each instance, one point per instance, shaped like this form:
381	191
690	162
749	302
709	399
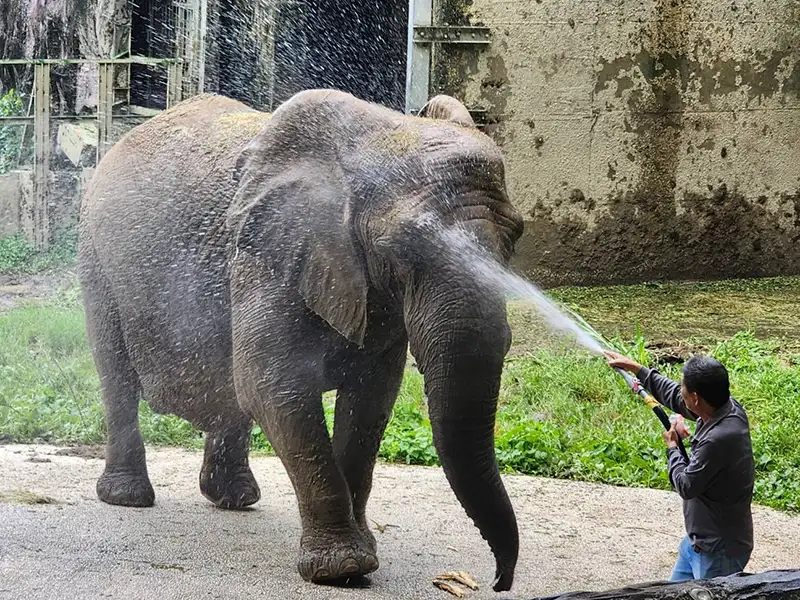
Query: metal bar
170	99
418	56
92	116
105	108
138	60
182	45
452	35
41	219
174	85
16	120
201	50
272	20
178	82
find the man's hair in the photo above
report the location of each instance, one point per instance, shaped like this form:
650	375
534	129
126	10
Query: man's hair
708	378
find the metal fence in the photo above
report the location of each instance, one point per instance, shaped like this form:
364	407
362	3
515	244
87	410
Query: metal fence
41	118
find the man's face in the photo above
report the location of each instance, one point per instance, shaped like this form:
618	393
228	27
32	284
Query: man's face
691	399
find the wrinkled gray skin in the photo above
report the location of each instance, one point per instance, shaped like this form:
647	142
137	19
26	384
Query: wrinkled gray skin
236	266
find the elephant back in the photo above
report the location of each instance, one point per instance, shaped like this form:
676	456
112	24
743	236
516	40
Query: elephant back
175	170
155	208
207	125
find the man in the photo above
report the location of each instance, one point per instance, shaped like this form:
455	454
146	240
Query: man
716	484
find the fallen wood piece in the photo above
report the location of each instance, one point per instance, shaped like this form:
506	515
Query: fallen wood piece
769	585
449	587
461	577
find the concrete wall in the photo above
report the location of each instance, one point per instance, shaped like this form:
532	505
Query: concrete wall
644	138
9	204
16	201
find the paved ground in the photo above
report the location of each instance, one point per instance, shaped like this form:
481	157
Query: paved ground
573	535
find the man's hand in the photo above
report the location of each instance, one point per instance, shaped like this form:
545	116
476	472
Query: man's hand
617	361
671	437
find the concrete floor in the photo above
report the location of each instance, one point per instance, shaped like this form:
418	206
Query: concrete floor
574	536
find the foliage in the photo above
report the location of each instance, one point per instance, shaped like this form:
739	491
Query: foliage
15	253
561	414
10	135
19	257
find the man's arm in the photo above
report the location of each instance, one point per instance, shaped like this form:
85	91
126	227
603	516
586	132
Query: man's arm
666	391
691	479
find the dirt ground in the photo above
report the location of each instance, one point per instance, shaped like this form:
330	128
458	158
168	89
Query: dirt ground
16	290
58	541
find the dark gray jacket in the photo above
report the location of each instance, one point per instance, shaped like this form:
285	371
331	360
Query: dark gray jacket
717	483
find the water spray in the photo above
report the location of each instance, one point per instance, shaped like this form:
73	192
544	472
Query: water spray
486	269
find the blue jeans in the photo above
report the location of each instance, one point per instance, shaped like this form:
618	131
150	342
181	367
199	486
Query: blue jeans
705	565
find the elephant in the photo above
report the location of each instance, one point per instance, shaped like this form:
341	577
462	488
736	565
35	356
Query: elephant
236	265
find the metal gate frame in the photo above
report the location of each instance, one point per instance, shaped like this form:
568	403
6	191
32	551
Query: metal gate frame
191	22
423	33
104	116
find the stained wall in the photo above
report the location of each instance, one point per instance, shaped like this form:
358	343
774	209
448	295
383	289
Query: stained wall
644	139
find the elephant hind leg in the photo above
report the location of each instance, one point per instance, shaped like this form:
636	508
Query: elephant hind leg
363	408
226	478
124	481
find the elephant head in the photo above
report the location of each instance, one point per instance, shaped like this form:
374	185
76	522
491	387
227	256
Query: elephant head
347	189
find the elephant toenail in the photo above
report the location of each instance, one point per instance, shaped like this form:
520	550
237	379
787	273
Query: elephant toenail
370	563
349	566
322	574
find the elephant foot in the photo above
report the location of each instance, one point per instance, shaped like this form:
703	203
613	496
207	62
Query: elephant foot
228	488
125	489
366	532
328	559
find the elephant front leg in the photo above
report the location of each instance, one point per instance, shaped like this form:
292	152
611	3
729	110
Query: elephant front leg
284	395
226	478
332	545
363	408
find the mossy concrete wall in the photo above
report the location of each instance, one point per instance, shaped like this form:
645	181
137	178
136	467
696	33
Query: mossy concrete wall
10	193
644	139
16	201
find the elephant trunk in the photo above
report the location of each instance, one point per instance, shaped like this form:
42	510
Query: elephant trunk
459	336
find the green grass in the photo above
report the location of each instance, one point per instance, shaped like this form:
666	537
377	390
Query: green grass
700	313
562	414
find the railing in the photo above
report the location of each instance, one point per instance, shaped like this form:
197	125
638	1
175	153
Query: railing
104	116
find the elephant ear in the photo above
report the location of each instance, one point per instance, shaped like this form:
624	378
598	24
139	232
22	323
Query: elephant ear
332	279
294	212
447	108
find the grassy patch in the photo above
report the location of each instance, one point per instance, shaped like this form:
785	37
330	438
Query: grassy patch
562	414
705	313
49	390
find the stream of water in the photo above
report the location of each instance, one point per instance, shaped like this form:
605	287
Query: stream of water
487	270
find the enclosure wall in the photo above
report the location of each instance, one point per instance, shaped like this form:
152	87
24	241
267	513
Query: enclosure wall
644	139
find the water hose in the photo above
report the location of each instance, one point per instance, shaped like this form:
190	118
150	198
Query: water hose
637	388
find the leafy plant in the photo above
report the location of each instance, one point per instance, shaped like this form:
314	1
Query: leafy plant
15	252
18	256
560	414
10	135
